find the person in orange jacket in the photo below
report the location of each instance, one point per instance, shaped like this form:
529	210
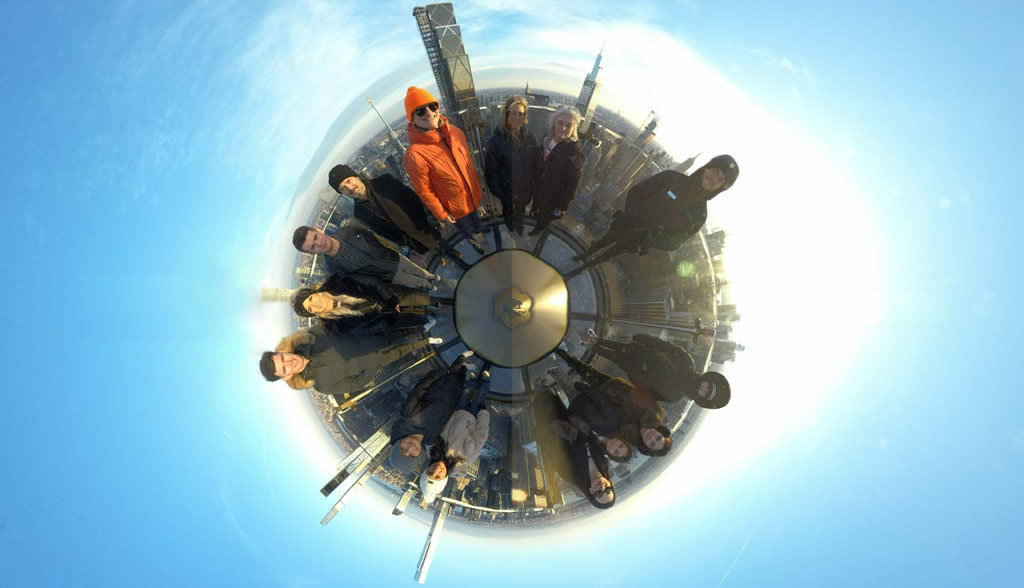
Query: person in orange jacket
440	166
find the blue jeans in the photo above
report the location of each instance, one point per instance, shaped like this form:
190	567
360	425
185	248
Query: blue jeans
469	225
476	392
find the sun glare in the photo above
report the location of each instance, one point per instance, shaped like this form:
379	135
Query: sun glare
800	254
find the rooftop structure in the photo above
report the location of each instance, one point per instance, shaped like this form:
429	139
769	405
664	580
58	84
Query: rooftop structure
517	482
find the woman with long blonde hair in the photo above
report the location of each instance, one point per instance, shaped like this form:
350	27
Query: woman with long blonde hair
559	168
508	168
363	305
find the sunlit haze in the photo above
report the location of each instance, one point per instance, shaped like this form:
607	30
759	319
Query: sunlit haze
158	157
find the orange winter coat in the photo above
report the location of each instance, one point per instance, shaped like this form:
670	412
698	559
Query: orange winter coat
441	171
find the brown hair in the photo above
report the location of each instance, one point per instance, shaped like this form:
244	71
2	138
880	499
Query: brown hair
512	101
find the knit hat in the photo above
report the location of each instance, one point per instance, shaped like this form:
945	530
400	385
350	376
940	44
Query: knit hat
722	392
431	488
416	97
267	366
339	173
728	166
599	505
298	297
404	463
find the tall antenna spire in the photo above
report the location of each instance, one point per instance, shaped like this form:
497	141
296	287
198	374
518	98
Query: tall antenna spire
391	131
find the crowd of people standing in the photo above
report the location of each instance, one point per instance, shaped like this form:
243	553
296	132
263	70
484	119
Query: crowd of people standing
378	304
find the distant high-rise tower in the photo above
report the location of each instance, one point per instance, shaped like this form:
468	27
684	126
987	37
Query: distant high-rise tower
647	135
275	294
442	38
686	165
586	103
536	99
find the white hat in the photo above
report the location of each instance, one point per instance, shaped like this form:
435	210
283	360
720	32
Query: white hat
431	488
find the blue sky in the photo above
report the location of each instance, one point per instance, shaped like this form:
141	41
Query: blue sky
153	153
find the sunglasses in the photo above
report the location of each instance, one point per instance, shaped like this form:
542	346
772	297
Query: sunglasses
422	110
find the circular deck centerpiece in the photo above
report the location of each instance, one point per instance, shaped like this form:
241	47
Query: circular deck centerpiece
511	308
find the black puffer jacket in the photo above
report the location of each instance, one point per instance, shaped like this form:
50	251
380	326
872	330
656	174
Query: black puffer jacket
558	177
509	167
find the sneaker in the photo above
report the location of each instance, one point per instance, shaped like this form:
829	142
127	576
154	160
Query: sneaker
592	336
429	325
435	340
468	354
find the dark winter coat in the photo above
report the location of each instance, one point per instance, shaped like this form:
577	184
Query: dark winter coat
558	177
585	447
430	405
595	409
343	364
380	316
394	211
509	168
666	209
361	252
635	408
666	369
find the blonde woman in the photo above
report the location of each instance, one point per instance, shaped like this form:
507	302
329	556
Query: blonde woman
363	305
508	169
559	168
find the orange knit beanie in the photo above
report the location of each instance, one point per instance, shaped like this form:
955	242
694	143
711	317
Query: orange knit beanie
414	98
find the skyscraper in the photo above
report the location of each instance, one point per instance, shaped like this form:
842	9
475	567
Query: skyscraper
442	38
276	294
647	134
687	164
536	99
586	103
497	438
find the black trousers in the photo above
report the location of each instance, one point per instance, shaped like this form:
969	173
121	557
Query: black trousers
622	237
615	351
592	376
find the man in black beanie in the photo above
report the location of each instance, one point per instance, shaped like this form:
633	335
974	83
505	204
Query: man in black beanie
663	211
665	369
388	207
